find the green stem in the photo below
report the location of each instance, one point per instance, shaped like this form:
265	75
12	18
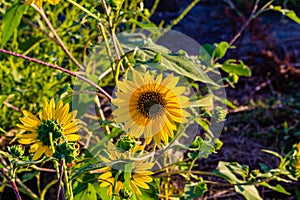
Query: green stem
84	10
68	184
181	16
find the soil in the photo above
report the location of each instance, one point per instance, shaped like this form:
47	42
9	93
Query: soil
266	100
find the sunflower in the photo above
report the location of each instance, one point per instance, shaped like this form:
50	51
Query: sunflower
39	3
56	120
151	106
113	175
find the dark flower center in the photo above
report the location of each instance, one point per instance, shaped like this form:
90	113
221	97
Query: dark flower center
47	127
151	104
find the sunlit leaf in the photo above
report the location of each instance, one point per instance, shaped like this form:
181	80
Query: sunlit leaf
11	21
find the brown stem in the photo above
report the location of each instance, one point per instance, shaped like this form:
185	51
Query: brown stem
12	183
60	42
57	68
245	24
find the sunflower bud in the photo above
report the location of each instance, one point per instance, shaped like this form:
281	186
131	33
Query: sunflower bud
16	151
218	144
67	151
126	143
219	114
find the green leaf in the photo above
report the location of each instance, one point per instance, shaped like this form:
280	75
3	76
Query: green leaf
194	190
176	62
205	53
232	66
248	191
28	176
220	50
277	188
89	193
289	13
272	153
147	26
11	21
149	194
2	99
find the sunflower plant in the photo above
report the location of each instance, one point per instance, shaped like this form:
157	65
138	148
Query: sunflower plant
135	116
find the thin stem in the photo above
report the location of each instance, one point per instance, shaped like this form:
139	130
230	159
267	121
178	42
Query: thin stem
112	32
59	182
12	183
84	10
251	17
59	41
57	68
68	185
24	189
38	28
181	16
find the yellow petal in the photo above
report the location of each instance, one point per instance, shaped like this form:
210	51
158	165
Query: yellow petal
135	188
105	175
142	177
73	137
26	141
35	147
38	153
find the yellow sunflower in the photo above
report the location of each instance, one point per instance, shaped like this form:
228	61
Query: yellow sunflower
56	120
39	3
151	106
140	174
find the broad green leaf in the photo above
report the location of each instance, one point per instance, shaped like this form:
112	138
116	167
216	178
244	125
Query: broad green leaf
233	66
277	188
11	21
220	50
91	192
289	13
248	191
194	190
176	62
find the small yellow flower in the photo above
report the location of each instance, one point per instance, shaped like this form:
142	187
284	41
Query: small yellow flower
151	106
140	174
39	3
56	120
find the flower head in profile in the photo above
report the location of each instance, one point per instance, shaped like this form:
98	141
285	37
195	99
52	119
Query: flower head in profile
113	175
149	106
55	122
39	3
294	164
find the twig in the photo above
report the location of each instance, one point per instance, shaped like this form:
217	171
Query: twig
245	24
12	183
112	33
58	68
60	42
38	28
11	106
